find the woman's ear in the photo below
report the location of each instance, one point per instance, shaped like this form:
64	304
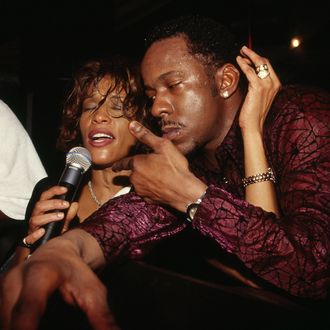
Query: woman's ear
227	78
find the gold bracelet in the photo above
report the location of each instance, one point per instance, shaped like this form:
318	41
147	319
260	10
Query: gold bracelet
266	176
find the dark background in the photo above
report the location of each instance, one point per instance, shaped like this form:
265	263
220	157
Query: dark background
42	42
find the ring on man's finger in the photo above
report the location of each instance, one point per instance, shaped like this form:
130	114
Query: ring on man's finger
262	71
25	244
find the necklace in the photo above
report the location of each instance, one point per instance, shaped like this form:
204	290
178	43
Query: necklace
90	188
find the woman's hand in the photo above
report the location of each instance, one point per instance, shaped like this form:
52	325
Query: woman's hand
42	213
261	90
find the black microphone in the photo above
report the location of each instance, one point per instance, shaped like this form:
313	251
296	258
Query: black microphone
78	161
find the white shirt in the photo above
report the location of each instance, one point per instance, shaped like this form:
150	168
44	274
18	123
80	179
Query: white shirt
122	191
20	165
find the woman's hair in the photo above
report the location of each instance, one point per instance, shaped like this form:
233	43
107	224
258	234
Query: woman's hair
125	77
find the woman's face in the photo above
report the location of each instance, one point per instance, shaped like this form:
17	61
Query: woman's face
103	129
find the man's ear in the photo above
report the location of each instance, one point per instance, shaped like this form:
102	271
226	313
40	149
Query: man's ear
227	78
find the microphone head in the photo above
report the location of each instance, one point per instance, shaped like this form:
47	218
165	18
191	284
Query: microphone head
79	156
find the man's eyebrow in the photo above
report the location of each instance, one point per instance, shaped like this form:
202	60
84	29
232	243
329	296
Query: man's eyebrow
163	76
170	73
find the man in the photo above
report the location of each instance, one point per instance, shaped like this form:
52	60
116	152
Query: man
193	84
21	167
20	170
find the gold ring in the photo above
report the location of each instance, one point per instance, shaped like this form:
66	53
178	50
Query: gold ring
262	71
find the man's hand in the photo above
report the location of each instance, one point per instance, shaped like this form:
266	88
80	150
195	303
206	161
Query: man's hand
26	288
162	176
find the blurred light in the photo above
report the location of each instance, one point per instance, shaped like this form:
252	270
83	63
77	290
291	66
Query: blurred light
295	42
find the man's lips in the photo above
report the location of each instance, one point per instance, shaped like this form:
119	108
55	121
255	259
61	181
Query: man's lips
171	133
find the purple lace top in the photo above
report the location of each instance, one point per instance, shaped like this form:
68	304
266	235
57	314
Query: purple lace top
292	252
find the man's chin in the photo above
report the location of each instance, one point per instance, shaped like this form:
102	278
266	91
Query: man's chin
184	148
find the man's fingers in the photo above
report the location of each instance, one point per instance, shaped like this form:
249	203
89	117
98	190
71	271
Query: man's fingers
144	135
26	317
90	295
10	287
96	307
102	319
123	164
39	284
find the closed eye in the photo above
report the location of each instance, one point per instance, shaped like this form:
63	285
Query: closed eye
89	107
175	84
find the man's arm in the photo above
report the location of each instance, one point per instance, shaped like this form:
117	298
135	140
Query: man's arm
78	242
20	168
124	225
62	263
128	225
291	252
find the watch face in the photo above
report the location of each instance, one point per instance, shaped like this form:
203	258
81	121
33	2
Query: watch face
192	210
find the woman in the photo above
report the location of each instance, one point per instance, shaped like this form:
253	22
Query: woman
105	96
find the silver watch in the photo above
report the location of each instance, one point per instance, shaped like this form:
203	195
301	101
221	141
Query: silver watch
192	208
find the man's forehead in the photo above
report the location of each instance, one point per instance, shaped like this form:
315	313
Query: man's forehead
174	47
167	55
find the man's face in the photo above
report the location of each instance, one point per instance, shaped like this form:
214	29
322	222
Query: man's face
182	95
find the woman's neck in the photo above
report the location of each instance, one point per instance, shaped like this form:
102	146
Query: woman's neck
102	186
106	183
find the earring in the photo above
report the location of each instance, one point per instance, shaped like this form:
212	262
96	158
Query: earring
225	94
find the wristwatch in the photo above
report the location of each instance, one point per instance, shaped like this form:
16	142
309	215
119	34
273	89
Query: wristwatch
192	208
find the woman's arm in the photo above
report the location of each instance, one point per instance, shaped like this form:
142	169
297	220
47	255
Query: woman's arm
261	93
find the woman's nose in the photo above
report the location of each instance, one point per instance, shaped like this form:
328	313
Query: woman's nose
101	114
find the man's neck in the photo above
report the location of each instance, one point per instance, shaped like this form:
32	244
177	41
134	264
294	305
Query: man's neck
230	109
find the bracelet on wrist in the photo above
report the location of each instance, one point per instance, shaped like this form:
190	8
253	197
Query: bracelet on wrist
260	177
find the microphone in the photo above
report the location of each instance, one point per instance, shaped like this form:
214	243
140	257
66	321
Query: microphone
78	161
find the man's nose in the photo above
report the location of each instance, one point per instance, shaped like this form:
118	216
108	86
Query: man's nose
160	107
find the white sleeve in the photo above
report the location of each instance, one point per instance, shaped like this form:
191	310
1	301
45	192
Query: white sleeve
20	165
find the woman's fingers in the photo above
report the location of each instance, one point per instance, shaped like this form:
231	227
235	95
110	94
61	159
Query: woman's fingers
53	191
250	62
72	212
43	206
48	209
34	236
262	88
41	220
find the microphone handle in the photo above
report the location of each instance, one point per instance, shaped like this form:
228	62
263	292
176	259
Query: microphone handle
70	178
53	229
